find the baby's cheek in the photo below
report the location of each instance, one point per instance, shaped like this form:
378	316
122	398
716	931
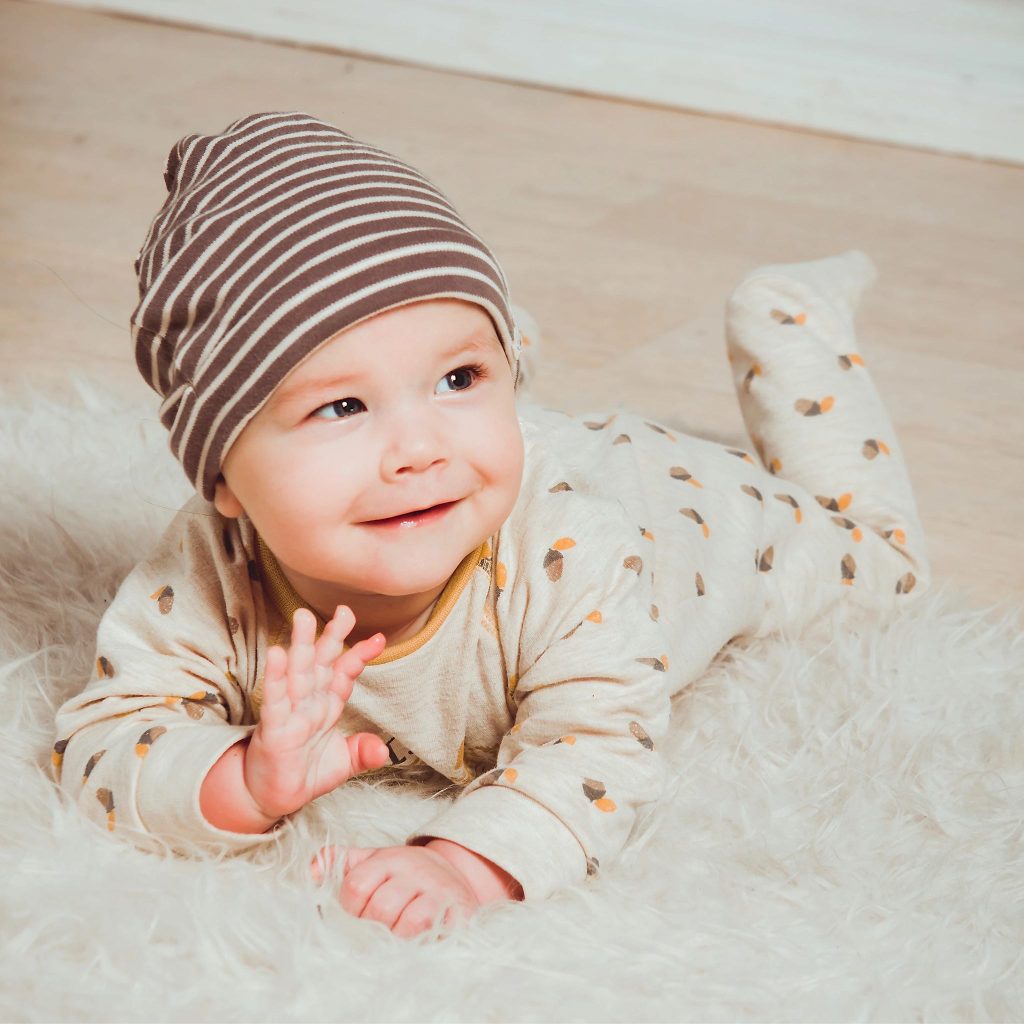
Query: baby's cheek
508	456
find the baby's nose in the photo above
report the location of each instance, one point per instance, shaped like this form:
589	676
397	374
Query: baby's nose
415	445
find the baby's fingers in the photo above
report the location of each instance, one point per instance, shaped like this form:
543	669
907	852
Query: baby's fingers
327	858
353	661
385	903
332	640
364	875
276	706
420	915
301	653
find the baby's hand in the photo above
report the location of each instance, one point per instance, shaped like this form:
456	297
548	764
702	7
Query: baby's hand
408	887
405	888
295	753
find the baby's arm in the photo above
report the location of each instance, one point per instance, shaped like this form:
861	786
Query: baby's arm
573	772
178	651
592	702
296	754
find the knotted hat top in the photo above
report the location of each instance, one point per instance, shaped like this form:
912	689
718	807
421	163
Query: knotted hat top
275	235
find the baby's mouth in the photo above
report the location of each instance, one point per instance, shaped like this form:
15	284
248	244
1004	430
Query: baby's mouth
414	517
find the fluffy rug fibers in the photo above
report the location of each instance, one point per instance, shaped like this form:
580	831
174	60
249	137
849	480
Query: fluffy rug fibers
843	840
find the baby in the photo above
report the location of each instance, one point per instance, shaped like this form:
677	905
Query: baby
393	565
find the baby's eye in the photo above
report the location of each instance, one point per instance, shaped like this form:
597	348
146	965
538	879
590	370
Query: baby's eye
460	379
341	409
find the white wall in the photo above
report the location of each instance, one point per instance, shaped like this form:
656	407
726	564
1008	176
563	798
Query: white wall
940	74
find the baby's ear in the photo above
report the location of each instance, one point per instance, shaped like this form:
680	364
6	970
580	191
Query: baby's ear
529	355
224	499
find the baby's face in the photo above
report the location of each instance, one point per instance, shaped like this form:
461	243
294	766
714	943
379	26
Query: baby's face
384	458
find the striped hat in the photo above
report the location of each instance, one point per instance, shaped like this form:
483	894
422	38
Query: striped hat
277	234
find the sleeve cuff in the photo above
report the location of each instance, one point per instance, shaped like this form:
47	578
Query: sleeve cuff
167	794
518	834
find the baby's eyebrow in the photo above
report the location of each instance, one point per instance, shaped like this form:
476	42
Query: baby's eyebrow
477	342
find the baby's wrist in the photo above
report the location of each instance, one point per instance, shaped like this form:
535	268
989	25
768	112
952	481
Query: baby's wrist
225	798
489	882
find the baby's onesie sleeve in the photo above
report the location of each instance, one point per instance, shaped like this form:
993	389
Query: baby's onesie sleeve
176	652
587	675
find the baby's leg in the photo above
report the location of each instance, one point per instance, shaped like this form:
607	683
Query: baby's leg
817	421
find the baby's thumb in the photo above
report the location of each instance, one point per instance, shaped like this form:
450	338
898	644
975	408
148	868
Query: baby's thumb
367	752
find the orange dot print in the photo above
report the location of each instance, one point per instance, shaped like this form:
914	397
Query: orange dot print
789	318
834	504
106	799
145	741
847	570
91	764
660	430
678	473
595	792
811	407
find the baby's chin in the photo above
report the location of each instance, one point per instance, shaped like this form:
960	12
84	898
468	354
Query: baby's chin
414	580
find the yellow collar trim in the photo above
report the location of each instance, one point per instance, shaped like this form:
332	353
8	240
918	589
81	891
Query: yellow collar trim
285	597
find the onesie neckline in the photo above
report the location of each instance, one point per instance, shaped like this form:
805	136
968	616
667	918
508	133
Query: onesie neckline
287	600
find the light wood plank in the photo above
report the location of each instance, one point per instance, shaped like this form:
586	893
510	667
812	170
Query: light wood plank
940	74
622	228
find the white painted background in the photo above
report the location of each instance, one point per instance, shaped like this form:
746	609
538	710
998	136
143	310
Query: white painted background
940	74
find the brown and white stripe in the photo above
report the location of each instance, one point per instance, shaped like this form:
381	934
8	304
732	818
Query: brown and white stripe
277	234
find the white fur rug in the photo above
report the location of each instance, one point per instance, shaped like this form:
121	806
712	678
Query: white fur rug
844	841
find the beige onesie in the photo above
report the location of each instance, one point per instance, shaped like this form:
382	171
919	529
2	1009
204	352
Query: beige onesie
540	686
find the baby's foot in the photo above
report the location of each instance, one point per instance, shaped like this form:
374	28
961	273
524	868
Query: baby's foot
816	298
839	280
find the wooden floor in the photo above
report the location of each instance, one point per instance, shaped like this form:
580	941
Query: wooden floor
943	75
621	227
